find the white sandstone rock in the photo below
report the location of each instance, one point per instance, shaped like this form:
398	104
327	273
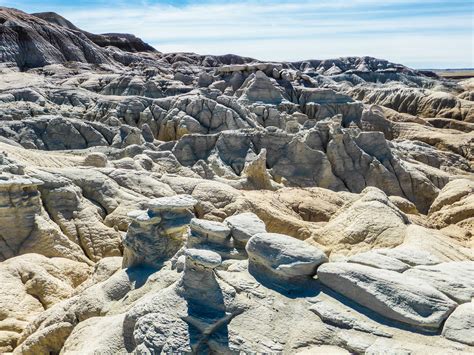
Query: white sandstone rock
380	261
179	202
391	294
410	256
460	324
209	228
454	279
329	314
244	226
281	256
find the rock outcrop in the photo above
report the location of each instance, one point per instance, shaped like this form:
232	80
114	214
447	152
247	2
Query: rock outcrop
460	326
124	41
454	205
283	259
402	298
454	279
228	238
372	220
158	233
185	317
183	203
244	226
30	42
19	205
212	235
31	284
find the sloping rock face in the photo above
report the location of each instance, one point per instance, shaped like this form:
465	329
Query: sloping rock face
454	205
418	102
20	203
124	41
371	220
392	295
281	257
459	326
57	133
453	279
30	284
31	42
210	306
182	203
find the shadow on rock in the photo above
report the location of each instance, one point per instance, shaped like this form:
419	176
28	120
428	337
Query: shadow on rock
139	274
297	287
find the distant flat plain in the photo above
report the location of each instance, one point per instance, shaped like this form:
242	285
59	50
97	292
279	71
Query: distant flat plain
455	73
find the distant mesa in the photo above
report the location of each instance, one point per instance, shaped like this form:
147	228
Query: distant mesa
43	39
124	41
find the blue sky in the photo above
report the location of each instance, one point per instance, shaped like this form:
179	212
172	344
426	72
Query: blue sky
420	34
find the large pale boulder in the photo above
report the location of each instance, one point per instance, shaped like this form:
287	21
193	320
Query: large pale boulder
48	332
212	235
281	257
245	225
367	222
410	256
460	324
454	279
378	260
389	293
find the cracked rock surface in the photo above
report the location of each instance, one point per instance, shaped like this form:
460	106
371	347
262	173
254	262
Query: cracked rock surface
156	203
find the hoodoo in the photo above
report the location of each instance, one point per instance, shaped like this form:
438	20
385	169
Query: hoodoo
178	203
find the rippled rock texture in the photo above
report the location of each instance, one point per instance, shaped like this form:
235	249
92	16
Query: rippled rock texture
182	203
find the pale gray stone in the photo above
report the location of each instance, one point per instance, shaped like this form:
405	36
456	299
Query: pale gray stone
172	203
245	225
410	256
209	228
202	258
454	279
460	324
282	256
389	293
380	261
331	315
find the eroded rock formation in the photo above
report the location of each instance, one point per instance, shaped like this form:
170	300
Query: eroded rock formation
157	234
185	203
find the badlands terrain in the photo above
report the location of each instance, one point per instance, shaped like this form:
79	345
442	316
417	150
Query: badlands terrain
181	203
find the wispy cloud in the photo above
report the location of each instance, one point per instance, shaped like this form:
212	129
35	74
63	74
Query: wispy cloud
429	33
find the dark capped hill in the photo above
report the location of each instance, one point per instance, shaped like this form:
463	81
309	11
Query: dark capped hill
124	41
32	42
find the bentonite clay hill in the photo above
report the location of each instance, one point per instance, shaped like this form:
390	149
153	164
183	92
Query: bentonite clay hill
181	203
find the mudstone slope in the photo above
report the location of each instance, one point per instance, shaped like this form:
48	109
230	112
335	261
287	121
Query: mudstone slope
182	203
